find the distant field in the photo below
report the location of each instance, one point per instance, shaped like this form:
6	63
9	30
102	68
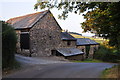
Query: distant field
78	36
99	40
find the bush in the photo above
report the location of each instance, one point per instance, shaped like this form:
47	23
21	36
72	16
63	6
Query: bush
107	54
9	40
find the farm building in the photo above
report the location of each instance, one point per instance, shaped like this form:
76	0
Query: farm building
70	53
87	46
39	34
68	48
67	40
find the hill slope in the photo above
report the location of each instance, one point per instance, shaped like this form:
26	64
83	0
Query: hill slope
99	40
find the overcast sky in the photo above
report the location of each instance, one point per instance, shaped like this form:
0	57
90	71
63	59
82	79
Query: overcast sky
15	8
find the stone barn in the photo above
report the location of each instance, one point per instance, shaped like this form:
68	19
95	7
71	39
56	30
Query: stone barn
67	48
38	33
85	44
67	40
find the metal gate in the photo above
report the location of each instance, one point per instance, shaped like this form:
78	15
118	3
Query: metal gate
24	40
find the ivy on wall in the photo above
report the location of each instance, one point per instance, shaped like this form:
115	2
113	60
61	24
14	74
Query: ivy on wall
87	48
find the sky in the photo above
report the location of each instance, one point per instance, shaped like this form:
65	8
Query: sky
14	8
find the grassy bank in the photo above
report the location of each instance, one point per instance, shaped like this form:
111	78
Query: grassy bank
110	72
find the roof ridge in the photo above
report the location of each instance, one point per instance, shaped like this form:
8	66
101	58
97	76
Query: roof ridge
39	17
27	15
27	21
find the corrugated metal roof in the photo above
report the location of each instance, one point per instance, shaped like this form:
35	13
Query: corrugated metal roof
26	21
85	41
66	36
69	51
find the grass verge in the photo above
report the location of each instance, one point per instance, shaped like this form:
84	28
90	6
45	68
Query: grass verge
89	61
110	72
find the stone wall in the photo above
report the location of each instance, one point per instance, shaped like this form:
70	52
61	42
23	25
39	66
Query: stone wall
82	48
18	49
64	44
75	57
93	48
91	51
45	36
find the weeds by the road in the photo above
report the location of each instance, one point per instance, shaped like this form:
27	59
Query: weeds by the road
8	70
110	72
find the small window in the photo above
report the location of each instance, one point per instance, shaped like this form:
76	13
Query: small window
50	37
68	43
82	50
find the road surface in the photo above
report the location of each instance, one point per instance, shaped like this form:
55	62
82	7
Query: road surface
62	70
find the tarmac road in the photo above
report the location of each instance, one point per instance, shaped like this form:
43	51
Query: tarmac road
63	70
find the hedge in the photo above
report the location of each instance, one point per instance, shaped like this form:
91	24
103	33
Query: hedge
106	54
9	40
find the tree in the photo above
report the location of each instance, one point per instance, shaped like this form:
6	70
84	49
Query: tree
105	21
9	40
102	18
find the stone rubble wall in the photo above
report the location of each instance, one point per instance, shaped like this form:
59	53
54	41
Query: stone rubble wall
82	48
76	57
44	36
91	51
63	44
18	49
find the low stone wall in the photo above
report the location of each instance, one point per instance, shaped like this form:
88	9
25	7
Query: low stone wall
75	57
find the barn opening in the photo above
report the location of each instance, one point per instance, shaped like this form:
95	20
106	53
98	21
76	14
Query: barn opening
56	53
24	40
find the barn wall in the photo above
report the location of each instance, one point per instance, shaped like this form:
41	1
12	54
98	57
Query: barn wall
63	44
91	51
83	49
75	57
18	49
44	36
25	52
93	48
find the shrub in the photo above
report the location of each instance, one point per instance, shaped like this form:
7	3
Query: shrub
106	54
9	40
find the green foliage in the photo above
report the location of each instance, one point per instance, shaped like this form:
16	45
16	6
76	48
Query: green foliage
110	72
104	21
9	40
102	18
106	54
87	50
